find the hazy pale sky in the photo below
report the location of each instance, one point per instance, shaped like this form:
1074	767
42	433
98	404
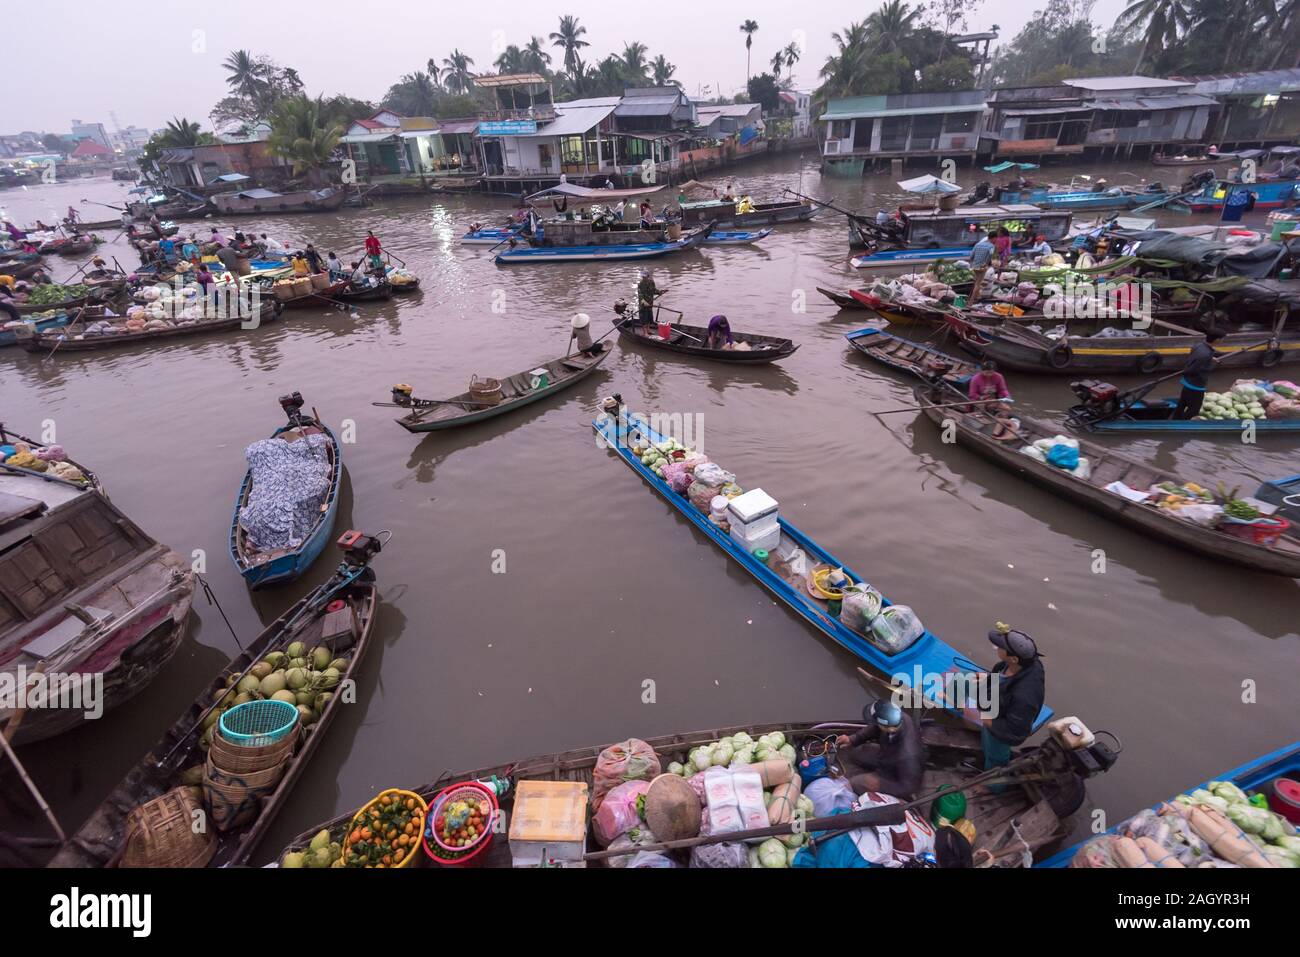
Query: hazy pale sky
149	61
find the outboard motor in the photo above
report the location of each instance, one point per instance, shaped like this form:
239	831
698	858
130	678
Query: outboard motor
292	405
358	547
1098	400
402	395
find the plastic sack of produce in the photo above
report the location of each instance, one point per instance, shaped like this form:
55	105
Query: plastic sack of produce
718	855
51	453
1203	514
1281	408
635	836
701	493
651	859
630	760
710	473
896	628
618	811
859	607
678	476
290	481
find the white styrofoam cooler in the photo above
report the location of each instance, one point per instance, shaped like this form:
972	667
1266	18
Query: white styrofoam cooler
767	539
751	507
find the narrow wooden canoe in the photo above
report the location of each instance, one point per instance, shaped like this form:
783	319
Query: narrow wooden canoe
518	389
785	575
915	358
375	293
1156	415
974	430
57	341
7	337
689	341
27	308
101	839
328	296
842	299
1256	775
742	237
260	568
1046	785
604	253
9	437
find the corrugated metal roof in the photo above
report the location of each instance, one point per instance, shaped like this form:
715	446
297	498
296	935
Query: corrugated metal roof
1186	100
735	109
902	111
572	121
1247	84
368	137
1045	110
458	126
1112	83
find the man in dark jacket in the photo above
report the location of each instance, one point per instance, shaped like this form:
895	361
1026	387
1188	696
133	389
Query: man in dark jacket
887	756
1022	686
1196	376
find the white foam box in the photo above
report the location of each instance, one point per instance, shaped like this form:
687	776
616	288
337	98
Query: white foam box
766	540
749	508
549	821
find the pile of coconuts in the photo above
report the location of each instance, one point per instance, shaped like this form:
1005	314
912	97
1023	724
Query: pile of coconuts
302	676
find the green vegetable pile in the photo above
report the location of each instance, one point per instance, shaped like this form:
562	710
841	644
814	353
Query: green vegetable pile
1234	507
53	292
1273	834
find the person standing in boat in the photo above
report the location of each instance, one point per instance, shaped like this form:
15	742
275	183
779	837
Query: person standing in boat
981	257
1002	243
646	294
334	266
1021	690
1196	376
647	215
373	248
719	333
887	756
314	262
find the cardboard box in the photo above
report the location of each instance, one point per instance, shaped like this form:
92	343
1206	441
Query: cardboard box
549	822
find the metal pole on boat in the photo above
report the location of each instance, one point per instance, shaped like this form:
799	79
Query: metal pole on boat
31	785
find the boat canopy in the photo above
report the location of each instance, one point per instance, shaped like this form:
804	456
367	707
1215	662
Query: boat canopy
1007	164
1255	262
587	192
929	184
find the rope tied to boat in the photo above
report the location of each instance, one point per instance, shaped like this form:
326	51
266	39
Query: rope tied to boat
212	600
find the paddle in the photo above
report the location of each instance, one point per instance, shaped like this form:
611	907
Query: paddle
421	403
946	405
80	311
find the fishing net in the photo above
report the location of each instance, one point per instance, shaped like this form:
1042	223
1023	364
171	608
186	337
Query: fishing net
290	482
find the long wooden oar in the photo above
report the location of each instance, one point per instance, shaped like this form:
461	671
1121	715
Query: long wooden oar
31	787
946	405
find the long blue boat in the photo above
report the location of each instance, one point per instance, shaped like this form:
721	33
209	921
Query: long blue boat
889	258
928	657
1268	194
491	235
603	253
1135	419
259	568
1253	775
737	237
8	338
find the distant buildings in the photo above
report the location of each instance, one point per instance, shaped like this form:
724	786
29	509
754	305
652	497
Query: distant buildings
862	129
92	131
131	139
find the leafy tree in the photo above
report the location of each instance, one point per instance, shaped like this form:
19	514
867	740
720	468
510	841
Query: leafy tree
345	110
661	72
413	95
302	134
1166	21
763	89
535	59
569	39
635	65
456	76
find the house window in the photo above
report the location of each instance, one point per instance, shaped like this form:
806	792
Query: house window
636	150
959	122
840	129
571	150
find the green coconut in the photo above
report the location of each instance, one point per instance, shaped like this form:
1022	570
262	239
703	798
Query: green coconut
339	664
223	694
248	684
306	715
329	677
286	696
323	699
261	669
242	698
296	678
271	683
206	740
320	658
296	650
212	718
276	659
298	662
294	859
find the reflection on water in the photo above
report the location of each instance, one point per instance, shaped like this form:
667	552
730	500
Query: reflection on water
605	584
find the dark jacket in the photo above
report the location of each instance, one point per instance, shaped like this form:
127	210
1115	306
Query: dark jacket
1020	698
902	755
1199	365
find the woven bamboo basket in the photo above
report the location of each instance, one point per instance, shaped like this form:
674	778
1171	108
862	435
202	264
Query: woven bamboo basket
212	771
487	391
161	833
236	759
233	806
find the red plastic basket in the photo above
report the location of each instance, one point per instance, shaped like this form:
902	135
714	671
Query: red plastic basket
1264	531
458	856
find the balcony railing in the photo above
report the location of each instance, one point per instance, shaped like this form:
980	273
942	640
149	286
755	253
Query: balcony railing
541	112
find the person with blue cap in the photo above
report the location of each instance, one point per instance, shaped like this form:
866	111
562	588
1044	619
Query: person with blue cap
886	756
1021	689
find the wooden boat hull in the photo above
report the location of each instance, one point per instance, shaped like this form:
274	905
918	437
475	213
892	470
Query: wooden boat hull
1253	775
27	308
21	270
1269	194
416	422
842	299
898	258
303	201
366	293
1156	416
260	572
774	348
323	297
725	216
51	342
1189	160
1282	559
605	253
1024	352
907	356
927	655
489	237
99	842
1034	806
737	238
7	337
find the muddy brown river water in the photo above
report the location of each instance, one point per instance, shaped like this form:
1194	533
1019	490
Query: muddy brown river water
1193	664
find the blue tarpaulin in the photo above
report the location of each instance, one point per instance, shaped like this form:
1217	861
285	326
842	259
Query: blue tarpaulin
1006	165
747	135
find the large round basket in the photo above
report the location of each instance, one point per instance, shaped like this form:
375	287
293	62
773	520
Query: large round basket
485	391
360	817
432	842
161	833
237	759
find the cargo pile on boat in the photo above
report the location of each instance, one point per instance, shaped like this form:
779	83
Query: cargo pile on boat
1253	399
49	459
1218	825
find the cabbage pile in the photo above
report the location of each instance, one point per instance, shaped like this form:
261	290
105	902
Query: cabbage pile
656	456
732	752
1242	402
1273	834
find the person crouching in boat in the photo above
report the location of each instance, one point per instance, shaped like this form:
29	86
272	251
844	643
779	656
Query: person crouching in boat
988	387
886	756
1021	689
646	294
1196	376
719	334
300	266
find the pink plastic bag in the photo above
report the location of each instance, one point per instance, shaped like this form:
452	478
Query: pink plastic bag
617	814
630	760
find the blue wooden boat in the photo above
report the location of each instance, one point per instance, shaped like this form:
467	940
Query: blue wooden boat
8	338
892	258
490	235
1105	409
1284	493
741	237
1082	199
1268	194
925	658
914	358
605	253
283	565
1251	776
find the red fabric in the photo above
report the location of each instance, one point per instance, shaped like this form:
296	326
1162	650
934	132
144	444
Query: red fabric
372	246
984	385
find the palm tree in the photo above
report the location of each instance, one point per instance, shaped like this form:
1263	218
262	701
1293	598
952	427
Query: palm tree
843	70
748	28
510	61
634	63
792	54
414	95
300	134
247	75
536	59
892	26
661	71
569	38
180	133
455	72
778	63
785	58
1165	20
435	74
1286	20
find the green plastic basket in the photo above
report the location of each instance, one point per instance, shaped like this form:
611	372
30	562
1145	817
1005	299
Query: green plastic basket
255	724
